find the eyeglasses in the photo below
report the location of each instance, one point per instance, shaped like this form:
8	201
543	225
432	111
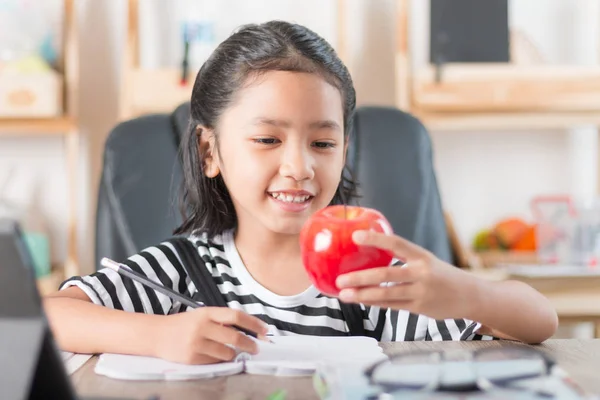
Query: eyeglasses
485	369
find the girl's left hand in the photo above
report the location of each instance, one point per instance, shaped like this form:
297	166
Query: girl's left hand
424	285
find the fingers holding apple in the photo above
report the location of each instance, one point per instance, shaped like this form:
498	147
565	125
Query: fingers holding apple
328	249
423	285
401	248
347	251
406	274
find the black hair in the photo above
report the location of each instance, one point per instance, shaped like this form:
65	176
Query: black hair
205	203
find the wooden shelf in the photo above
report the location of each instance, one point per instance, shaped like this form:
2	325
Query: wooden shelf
49	283
66	128
507	87
156	91
37	127
491	96
575	300
149	91
451	121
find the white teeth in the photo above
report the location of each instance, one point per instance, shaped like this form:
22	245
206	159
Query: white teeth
288	198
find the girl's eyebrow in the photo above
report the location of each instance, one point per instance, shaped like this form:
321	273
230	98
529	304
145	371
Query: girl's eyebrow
324	124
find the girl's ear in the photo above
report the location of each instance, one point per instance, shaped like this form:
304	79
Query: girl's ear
207	151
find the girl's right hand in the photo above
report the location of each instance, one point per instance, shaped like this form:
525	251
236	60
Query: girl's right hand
201	336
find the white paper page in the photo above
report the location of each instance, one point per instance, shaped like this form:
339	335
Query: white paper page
311	348
73	361
301	355
128	367
286	356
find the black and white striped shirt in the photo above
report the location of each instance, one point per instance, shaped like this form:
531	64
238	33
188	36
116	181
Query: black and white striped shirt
307	313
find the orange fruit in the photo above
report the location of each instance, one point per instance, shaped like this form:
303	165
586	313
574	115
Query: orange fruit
527	242
509	231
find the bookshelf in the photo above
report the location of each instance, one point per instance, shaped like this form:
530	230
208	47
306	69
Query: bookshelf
493	96
146	91
64	128
37	127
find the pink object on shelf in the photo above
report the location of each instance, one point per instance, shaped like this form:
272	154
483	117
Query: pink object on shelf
566	233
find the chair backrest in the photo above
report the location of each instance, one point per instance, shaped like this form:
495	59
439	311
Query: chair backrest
137	198
390	153
391	156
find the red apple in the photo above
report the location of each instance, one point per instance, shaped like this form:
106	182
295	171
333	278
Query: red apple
327	247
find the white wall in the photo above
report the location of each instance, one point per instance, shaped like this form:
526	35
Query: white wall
483	175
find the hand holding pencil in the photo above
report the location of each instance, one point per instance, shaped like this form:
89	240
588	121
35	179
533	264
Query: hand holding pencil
203	336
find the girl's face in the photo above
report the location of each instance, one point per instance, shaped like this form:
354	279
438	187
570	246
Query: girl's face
281	149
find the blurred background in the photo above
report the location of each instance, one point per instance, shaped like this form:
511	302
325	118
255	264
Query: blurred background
508	90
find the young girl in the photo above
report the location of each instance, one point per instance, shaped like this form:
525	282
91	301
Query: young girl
270	116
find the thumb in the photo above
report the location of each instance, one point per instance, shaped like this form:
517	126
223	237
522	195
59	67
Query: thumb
400	247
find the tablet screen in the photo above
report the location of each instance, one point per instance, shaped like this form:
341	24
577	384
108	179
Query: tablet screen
18	292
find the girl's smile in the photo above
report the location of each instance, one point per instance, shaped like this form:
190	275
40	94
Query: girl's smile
292	200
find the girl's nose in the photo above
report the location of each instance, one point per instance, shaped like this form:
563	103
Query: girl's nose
297	164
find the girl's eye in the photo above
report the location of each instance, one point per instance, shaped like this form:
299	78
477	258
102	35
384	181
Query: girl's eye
324	145
266	140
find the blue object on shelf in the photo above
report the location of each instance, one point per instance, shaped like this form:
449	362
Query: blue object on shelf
47	50
39	247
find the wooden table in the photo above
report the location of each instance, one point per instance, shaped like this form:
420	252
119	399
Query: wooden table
581	358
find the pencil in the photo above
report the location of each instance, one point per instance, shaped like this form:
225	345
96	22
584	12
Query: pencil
131	274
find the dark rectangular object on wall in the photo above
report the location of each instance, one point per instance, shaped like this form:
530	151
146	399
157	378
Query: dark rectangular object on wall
469	31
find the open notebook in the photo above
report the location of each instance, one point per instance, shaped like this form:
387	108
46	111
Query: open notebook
74	361
286	356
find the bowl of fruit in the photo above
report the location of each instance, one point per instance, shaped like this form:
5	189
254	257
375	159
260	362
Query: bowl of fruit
509	241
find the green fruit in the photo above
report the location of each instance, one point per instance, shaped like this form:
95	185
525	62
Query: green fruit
482	240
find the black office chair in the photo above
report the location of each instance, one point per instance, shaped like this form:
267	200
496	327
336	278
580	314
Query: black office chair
137	197
390	153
